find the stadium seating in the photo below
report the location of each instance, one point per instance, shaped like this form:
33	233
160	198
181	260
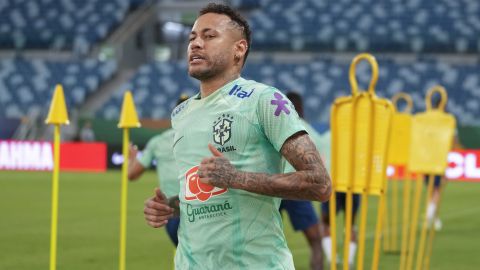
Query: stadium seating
26	86
367	25
59	24
156	86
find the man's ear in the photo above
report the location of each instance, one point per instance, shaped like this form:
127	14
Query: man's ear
241	48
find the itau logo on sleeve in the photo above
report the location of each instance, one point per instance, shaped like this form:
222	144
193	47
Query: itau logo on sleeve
196	190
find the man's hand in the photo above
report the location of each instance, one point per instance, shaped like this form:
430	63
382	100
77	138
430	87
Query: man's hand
217	170
132	152
135	169
157	210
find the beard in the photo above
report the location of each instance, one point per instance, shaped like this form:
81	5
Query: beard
210	69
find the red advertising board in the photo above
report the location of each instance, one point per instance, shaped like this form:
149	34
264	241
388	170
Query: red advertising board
463	165
38	156
83	157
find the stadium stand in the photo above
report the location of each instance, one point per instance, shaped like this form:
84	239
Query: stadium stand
59	24
411	27
353	25
26	86
157	85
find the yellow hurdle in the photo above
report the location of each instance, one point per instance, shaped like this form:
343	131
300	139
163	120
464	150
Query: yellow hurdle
57	116
398	154
128	119
360	138
432	136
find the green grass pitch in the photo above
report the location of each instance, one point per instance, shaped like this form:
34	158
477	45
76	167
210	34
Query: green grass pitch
89	215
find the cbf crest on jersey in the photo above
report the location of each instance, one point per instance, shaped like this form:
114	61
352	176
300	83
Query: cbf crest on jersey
222	129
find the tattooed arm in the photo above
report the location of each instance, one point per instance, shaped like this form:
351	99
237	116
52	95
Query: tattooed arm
310	182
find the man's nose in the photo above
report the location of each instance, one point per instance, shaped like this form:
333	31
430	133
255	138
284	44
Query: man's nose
196	43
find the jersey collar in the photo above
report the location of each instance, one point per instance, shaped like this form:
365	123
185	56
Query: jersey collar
198	96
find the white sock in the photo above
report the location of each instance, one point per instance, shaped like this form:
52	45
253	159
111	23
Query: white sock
327	247
351	253
431	211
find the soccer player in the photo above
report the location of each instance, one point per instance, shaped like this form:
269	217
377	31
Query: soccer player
229	142
301	213
432	218
325	146
159	148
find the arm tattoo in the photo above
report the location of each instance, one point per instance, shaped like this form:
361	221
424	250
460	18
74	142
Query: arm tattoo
174	202
310	182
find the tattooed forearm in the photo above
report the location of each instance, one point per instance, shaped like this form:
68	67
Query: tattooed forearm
310	182
174	203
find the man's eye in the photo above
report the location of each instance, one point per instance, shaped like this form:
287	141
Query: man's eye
210	36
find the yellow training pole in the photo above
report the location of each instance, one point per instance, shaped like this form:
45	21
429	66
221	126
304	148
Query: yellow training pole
123	200
333	229
394	228
414	222
57	116
348	227
405	222
128	119
56	169
366	189
386	228
378	232
362	230
423	234
431	234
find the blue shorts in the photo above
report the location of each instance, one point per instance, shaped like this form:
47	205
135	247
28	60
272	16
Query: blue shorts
172	228
437	180
301	213
341	203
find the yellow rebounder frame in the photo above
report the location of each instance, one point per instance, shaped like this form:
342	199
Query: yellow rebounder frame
398	154
432	137
360	138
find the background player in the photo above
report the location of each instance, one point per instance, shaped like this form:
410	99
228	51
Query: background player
159	148
301	213
325	145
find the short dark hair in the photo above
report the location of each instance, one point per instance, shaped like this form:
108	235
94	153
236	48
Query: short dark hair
238	19
296	100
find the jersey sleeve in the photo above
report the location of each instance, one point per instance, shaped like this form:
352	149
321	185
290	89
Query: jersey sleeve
148	154
277	117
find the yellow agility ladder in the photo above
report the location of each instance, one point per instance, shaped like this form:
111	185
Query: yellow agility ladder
360	138
398	155
432	137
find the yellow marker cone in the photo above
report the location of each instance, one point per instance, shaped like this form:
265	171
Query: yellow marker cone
128	116
128	119
58	110
56	116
